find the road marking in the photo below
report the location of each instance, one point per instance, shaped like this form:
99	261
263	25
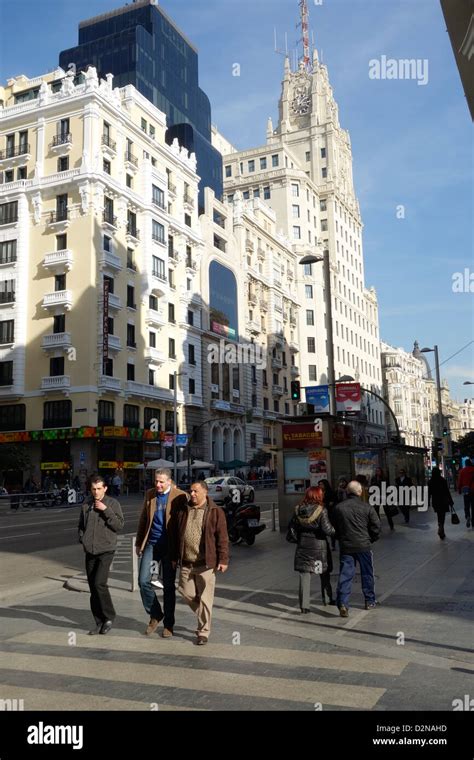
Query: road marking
19	535
34	699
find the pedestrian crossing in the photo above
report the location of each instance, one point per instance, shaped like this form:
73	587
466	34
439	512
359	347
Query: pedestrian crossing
135	672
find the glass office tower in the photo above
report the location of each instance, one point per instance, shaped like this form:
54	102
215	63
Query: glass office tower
140	45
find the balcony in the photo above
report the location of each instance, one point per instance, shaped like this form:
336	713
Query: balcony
172	190
254	327
277	390
154	317
59	219
267	441
147	391
258	413
133	234
111	384
16	154
159	284
294	346
109	146
263	304
292	320
61	299
7	297
295	371
277	363
115	344
191	399
55	341
59	262
115	302
252	299
154	355
62	142
131	162
270	415
249	246
237	409
56	383
261	254
110	260
109	221
188	201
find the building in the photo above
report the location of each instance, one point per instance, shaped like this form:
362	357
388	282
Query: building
141	45
100	246
304	173
466	415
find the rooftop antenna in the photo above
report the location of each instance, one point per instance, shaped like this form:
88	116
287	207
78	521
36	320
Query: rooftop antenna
276	50
304	23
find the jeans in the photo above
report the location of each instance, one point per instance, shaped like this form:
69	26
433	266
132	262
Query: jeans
469	507
157	553
97	569
347	566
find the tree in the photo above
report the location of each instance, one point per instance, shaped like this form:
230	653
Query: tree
465	445
13	457
260	459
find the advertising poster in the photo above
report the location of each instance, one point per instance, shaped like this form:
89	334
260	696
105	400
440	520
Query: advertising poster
319	397
318	469
348	397
365	463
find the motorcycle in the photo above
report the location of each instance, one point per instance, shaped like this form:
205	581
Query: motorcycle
242	520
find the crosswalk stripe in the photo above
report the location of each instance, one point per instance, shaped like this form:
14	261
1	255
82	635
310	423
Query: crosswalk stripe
39	699
211	681
266	655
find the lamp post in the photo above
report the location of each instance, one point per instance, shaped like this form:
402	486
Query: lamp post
438	387
175	419
312	258
348	379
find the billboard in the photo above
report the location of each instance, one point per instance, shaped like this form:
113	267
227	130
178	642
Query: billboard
348	397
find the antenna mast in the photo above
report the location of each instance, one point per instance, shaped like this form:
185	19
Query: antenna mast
304	23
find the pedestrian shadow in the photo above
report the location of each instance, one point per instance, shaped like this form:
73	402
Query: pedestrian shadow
51	615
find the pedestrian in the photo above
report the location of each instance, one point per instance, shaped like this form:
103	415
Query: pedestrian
403	500
329	504
310	525
379	480
152	546
357	527
100	520
117	484
440	497
341	492
466	488
200	544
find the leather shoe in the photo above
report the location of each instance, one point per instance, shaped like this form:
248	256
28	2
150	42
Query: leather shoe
152	625
201	640
343	611
106	627
96	630
167	633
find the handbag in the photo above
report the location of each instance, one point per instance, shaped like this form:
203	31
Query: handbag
454	518
291	535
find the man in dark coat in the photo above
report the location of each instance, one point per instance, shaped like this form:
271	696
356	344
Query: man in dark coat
440	497
100	520
357	527
403	481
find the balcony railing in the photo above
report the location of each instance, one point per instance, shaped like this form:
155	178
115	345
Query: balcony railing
108	143
155	355
55	383
131	159
59	260
278	363
295	371
7	297
154	317
56	340
133	231
159	275
189	200
277	390
110	383
58	298
110	219
62	139
9	258
61	215
14	151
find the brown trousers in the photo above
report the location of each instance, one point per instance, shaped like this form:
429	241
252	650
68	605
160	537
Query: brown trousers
196	585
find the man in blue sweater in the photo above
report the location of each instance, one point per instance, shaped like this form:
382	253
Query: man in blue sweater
151	546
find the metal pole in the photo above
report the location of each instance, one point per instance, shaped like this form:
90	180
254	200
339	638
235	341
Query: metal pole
273	517
330	346
175	426
440	406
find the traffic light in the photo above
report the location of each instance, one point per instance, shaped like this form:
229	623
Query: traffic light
295	390
438	444
445	431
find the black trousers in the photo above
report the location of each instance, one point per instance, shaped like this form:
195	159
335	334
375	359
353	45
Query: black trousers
97	569
389	518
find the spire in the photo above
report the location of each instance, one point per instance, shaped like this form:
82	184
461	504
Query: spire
315	58
287	67
269	127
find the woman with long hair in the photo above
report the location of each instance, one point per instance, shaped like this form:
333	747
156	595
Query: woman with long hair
310	525
440	497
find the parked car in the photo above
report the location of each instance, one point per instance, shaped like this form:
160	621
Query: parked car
220	488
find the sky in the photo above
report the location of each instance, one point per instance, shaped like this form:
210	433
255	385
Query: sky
411	141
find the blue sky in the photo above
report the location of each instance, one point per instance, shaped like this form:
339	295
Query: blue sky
412	144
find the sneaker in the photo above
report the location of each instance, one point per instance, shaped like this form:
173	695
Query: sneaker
157	583
201	641
371	605
343	611
152	626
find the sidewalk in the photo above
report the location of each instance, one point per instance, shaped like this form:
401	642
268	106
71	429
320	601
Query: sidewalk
414	651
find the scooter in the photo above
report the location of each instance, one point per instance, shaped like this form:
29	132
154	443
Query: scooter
242	521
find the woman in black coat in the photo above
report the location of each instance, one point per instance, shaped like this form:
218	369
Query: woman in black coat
309	526
440	497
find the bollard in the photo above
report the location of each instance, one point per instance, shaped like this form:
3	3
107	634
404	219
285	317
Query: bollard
134	566
273	517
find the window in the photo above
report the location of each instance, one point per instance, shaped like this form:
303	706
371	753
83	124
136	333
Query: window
171	383
9	212
106	413
152	414
143	124
106	166
246	195
6	373
131	336
251	166
308	155
323	152
191	354
219	243
256	192
131	260
64	127
276	406
307	269
265	404
109	211
311	346
171	313
158	197
266	193
56	366
308	289
312	373
12	417
9	176
253	440
324	172
107	243
169	420
275	160
187	220
323	205
297	233
59	323
158	231
129	180
151	377
131	297
324	225
309	317
151	131
131	416
171	279
263	163
296	211
190	317
7	251
59	282
57	414
7	331
158	268
192	385
228	171
295	190
171	348
130	371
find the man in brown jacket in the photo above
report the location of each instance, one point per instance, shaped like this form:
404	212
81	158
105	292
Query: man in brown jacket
152	546
199	542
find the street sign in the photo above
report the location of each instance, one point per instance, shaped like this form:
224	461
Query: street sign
182	439
318	395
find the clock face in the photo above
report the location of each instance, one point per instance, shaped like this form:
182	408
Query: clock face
301	102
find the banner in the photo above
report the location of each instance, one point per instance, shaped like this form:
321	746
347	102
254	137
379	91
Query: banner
348	397
182	439
168	440
318	395
301	437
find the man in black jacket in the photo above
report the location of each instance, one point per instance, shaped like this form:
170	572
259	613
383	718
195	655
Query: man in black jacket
100	520
357	527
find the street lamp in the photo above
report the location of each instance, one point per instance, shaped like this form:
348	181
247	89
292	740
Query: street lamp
175	419
468	382
348	379
438	385
312	258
